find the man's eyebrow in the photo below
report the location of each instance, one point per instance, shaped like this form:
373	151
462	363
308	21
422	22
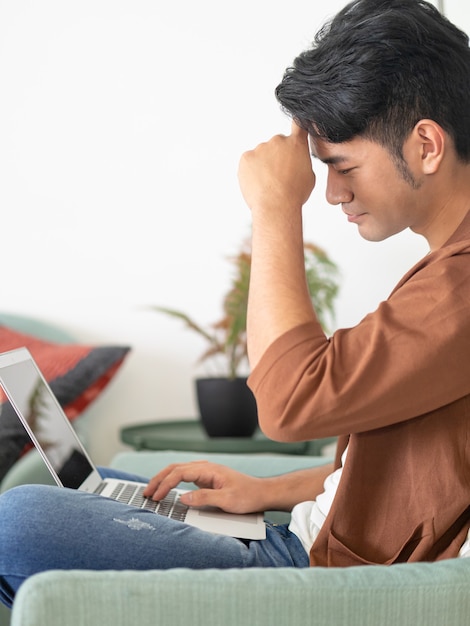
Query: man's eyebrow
333	160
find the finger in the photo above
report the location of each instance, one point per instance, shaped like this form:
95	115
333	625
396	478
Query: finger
203	497
156	480
158	487
227	499
170	477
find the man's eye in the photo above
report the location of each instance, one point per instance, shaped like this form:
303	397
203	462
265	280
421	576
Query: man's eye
344	172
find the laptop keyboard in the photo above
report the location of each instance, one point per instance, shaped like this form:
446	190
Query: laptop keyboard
170	506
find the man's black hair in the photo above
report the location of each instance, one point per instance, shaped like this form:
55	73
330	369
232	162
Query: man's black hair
376	69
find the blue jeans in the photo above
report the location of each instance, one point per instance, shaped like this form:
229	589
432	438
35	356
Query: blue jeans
44	527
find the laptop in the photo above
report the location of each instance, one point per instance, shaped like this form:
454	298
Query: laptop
71	466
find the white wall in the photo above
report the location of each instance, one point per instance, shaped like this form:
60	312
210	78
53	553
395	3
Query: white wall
458	12
121	126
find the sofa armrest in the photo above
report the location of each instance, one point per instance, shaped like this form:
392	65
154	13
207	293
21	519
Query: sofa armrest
29	469
423	594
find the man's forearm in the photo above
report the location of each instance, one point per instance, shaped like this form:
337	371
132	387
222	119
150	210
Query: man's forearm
282	493
279	298
276	180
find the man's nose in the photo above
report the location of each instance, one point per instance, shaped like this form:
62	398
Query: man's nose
337	191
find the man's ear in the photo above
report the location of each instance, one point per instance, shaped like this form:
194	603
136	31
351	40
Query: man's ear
428	141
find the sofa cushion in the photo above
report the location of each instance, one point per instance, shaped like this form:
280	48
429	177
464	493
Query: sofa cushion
76	373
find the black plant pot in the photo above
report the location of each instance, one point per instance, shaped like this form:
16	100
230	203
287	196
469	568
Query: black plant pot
227	407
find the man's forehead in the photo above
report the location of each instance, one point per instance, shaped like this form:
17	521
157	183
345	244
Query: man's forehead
333	153
326	151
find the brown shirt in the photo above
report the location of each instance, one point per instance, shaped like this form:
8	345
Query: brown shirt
397	387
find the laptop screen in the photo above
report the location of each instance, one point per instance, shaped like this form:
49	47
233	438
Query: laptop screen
32	399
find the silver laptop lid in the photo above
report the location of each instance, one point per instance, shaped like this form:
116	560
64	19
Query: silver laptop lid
44	420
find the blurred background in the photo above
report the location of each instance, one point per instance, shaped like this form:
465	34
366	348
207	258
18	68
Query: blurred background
121	126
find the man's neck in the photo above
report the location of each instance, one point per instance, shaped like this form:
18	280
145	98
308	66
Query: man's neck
451	205
445	224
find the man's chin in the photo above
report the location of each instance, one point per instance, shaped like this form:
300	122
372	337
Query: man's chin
376	235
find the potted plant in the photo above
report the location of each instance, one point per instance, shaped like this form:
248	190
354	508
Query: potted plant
226	405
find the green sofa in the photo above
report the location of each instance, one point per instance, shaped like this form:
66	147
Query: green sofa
424	594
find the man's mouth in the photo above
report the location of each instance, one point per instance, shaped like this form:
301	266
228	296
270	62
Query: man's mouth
353	217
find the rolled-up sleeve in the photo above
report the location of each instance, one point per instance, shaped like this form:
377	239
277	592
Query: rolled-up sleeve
404	360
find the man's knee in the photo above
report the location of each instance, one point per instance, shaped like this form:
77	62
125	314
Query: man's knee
16	506
18	497
19	536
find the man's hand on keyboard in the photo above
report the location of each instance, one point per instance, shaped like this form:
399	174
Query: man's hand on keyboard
218	485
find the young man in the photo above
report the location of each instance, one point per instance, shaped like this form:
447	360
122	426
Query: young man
382	98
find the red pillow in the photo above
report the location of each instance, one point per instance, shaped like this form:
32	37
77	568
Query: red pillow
76	374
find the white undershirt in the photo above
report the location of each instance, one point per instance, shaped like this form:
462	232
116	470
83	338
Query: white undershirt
308	517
